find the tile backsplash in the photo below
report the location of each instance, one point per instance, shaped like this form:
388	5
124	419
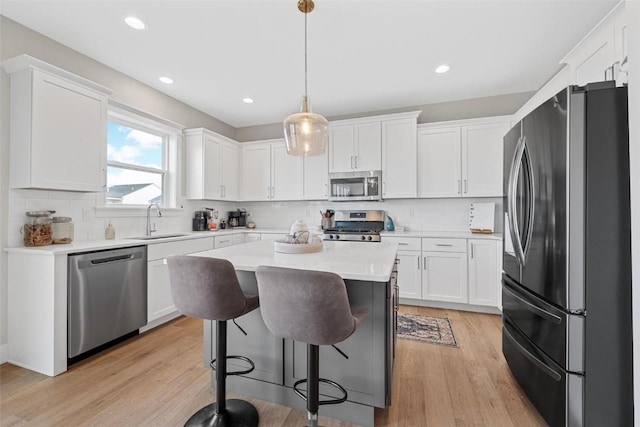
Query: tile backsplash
89	223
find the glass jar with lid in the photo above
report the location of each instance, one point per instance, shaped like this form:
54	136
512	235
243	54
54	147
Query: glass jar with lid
62	230
37	230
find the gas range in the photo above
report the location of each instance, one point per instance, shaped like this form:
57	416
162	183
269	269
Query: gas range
356	226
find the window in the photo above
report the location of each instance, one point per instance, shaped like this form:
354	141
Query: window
139	159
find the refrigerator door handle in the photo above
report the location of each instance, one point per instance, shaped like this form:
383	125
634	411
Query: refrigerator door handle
539	363
512	191
531	202
534	309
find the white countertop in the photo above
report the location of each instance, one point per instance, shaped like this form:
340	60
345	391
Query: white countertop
350	260
97	245
442	234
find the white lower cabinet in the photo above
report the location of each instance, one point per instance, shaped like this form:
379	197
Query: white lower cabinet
222	241
410	274
461	271
484	271
251	237
159	300
444	276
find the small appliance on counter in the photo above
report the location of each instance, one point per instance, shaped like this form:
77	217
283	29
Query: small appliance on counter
199	221
238	218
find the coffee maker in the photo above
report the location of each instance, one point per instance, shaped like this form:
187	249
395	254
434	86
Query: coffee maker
238	218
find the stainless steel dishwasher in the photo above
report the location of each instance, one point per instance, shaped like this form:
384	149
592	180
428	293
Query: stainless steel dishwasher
107	296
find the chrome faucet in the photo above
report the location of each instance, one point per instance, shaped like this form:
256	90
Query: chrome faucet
149	230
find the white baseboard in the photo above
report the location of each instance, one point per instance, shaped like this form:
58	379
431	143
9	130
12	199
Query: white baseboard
450	305
160	321
4	353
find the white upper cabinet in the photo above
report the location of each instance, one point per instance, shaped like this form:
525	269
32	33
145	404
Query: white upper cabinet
355	146
399	158
211	166
316	177
598	56
463	160
482	153
58	131
439	162
269	173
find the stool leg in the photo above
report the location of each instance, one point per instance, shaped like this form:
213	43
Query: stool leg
313	383
224	413
221	365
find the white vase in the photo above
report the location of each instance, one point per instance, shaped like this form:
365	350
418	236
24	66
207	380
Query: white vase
299	231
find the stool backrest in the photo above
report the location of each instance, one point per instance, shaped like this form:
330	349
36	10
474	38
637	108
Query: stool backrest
207	288
307	306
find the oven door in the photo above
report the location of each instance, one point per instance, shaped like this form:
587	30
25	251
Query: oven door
353	186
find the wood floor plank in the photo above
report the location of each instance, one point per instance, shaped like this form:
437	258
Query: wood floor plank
158	379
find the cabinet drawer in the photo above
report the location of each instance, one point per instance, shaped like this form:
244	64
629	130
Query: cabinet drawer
223	241
181	247
444	245
404	243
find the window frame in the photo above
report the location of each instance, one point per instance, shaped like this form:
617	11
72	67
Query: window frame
171	134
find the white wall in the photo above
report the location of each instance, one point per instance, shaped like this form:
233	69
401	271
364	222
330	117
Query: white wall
633	15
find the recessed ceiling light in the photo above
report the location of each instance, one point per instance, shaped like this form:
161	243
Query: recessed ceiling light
247	100
442	69
166	80
135	23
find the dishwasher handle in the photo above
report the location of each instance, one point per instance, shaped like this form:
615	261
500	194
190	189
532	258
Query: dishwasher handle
109	260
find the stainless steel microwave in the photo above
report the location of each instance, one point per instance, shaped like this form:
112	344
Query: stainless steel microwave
353	186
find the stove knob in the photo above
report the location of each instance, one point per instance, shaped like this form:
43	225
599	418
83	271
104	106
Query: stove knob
337	236
363	238
370	238
330	236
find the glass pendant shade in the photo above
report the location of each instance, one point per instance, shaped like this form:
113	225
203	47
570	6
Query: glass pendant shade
306	133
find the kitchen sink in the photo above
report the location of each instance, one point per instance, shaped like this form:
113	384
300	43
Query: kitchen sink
158	236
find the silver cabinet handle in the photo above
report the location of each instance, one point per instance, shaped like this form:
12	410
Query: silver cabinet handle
356	162
351	162
459	187
403	244
465	187
442	244
418	259
273	192
472	245
384	188
425	263
104	177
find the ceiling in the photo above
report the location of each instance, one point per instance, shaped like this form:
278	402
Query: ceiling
363	55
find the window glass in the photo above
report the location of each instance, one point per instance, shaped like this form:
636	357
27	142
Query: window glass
136	165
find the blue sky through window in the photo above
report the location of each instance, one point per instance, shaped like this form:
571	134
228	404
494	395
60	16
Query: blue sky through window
133	146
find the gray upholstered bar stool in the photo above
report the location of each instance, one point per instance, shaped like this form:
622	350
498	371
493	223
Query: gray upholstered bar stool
208	288
310	307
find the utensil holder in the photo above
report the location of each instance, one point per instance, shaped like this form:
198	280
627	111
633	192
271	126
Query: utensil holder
327	223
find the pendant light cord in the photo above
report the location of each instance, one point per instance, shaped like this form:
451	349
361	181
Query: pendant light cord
305	52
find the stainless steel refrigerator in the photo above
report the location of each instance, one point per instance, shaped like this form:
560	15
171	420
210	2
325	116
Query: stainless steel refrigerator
566	284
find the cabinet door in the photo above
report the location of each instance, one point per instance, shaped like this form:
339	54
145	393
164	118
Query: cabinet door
444	276
159	300
316	177
286	174
399	163
252	237
482	151
211	175
341	148
256	172
237	239
229	171
68	136
484	272
439	163
368	148
410	274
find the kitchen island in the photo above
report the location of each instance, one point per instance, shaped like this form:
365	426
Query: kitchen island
362	364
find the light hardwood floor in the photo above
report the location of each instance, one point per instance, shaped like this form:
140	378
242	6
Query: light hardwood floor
158	379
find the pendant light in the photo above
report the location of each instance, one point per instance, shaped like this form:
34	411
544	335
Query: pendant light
306	133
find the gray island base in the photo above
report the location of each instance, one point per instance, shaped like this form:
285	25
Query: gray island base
362	364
